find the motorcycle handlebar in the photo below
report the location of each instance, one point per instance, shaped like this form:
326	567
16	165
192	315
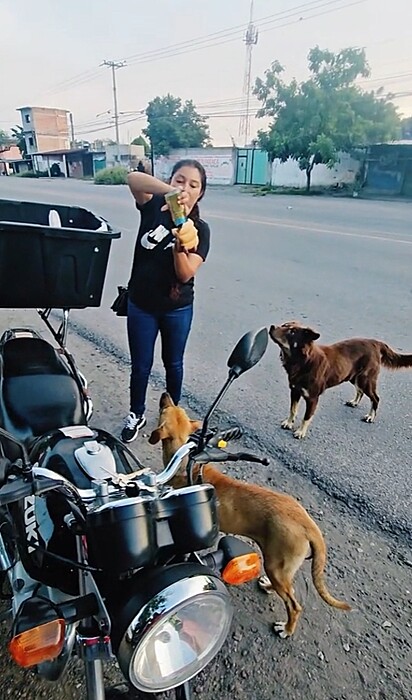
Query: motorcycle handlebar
39	483
174	464
42	480
210	453
227	435
14	491
216	454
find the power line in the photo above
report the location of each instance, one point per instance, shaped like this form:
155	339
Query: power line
237	30
109	125
384	78
224	104
193	47
223	36
219	115
85	76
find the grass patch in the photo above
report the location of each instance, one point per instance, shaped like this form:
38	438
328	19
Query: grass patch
343	190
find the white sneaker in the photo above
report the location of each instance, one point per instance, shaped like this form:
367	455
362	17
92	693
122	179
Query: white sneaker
132	426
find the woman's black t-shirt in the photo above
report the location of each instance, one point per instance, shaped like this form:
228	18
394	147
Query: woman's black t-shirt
153	285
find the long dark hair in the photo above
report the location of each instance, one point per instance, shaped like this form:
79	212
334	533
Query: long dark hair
191	163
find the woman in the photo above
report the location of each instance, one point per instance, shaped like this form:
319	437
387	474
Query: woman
161	294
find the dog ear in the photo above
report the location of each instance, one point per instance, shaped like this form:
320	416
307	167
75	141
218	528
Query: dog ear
165	400
311	335
158	434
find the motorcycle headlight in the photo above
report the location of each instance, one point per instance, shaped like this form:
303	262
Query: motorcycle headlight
176	633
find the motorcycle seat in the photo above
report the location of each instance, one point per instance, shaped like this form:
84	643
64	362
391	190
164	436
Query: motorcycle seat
39	392
28	356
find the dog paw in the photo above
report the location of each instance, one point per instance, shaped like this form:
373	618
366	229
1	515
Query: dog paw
280	629
368	418
299	434
352	404
265	584
286	424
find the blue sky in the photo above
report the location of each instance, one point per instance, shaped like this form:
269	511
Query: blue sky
50	53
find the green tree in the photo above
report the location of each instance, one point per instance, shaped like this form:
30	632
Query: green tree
5	141
18	136
141	141
173	124
406	128
315	119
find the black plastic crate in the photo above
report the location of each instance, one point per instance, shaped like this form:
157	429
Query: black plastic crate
62	265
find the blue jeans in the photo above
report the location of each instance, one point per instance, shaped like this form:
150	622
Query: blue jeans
142	330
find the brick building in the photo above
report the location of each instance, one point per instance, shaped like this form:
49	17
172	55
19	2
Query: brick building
45	129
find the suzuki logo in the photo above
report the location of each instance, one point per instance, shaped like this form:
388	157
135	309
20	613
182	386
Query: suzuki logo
30	523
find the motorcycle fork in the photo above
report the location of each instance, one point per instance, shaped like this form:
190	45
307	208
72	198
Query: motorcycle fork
93	636
183	692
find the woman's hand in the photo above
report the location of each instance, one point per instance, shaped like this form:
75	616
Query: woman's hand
187	236
183	199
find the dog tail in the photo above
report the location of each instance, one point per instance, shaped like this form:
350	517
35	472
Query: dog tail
394	360
318	569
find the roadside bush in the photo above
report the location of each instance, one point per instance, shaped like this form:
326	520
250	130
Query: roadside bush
111	176
33	173
28	173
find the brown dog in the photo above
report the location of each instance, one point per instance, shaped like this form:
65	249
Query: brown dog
281	527
314	368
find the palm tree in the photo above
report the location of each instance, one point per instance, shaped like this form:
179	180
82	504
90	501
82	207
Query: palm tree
18	138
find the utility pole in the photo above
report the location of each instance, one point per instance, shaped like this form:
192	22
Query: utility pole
114	65
250	39
71	130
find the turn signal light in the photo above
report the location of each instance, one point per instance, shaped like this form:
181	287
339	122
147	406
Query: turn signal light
242	569
42	643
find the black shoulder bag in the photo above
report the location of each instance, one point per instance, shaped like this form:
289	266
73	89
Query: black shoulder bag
119	305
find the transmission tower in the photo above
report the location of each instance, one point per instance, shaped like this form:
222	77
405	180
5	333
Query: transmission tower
250	39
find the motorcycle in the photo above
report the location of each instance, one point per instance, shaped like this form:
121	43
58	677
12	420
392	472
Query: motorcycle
103	558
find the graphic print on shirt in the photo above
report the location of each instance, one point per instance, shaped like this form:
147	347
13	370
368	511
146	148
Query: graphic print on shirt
152	238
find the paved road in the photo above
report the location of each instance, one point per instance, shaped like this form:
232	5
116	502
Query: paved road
341	265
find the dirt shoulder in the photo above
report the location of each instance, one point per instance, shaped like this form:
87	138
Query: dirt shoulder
365	654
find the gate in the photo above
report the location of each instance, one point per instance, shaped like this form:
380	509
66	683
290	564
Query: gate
251	167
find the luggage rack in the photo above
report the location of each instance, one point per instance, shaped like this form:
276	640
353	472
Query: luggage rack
59	333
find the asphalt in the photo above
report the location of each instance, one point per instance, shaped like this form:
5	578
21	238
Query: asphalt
343	266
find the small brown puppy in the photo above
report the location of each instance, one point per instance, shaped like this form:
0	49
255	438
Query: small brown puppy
281	527
312	369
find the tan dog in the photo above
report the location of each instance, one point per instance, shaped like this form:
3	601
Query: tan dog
281	527
312	369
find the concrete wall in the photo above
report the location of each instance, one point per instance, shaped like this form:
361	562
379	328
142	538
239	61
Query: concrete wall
43	163
219	163
289	174
11	153
129	155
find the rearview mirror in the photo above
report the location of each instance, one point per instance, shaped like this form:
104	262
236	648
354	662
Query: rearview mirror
248	351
